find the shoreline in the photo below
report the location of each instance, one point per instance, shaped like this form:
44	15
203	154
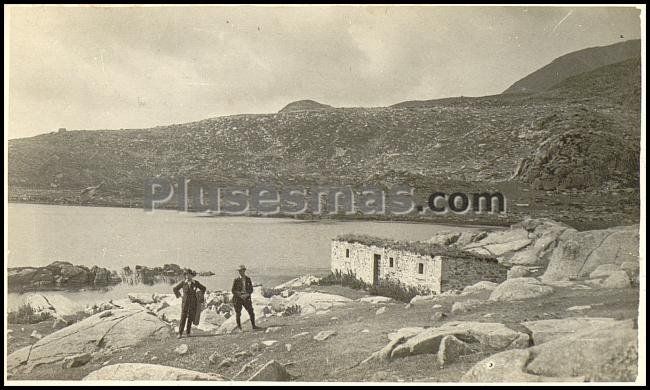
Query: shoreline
330	219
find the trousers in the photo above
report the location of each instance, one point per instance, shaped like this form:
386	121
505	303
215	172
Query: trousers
246	304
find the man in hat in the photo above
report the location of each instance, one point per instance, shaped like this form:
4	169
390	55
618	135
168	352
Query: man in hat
242	288
190	288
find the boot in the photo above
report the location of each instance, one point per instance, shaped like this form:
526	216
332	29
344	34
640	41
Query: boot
255	327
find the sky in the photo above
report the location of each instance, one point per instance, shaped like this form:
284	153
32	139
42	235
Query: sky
138	67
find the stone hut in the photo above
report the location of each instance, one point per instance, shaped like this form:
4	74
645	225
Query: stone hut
417	264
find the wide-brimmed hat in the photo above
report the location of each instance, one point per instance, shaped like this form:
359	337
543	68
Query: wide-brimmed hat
241	268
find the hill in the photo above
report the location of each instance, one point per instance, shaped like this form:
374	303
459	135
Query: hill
478	143
575	63
304	105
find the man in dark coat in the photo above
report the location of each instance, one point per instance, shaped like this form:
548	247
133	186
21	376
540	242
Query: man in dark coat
190	288
242	288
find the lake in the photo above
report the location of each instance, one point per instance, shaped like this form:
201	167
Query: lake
273	249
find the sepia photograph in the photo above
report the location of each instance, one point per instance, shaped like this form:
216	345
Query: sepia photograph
324	194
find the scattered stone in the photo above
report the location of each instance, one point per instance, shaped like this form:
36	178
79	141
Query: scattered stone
76	360
214	357
105	314
437	306
288	347
451	348
324	335
272	329
269	343
271	372
148	372
36	335
243	354
375	299
438	316
225	363
141	298
365	331
579	308
295	336
181	349
381	310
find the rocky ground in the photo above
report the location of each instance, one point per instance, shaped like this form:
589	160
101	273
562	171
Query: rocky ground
567	312
358	333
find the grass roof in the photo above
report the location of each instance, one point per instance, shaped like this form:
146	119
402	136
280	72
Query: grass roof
417	247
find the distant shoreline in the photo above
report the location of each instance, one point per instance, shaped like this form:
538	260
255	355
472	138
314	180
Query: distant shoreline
452	222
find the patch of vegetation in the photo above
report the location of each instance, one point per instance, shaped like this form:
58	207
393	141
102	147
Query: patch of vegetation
27	315
270	292
391	288
292	310
338	278
395	289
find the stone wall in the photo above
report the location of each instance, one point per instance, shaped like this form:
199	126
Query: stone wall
405	265
439	273
457	273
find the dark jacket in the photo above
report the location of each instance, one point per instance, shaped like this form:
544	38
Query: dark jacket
237	286
191	292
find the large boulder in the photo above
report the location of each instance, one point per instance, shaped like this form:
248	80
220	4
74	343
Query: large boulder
301	281
618	279
519	289
603	271
544	232
148	372
55	305
480	287
580	253
543	331
375	299
583	353
271	372
29	279
508	366
210	320
310	302
103	333
528	243
486	336
451	348
230	324
603	354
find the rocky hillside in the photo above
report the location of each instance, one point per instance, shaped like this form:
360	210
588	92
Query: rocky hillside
575	63
477	141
